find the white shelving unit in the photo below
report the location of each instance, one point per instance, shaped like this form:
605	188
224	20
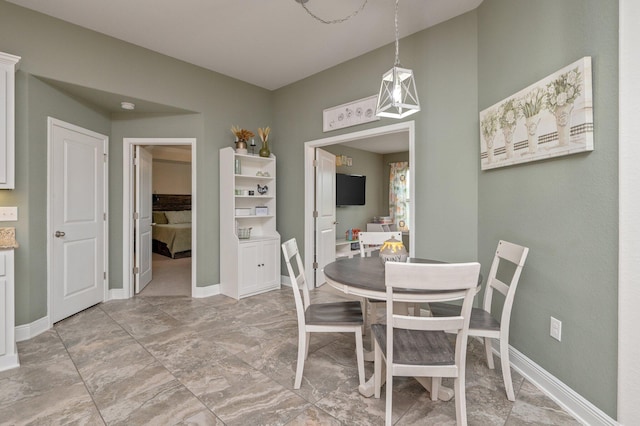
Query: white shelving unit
248	266
8	349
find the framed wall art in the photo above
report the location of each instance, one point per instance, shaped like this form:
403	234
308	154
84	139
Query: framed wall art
350	114
550	118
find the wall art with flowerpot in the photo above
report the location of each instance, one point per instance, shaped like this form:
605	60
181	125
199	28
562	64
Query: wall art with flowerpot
550	118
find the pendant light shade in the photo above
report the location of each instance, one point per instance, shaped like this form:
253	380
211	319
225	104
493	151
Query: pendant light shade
398	97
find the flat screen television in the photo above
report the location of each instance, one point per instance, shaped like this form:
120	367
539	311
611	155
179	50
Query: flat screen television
350	189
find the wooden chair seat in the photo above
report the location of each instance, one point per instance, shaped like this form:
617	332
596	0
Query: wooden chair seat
416	347
480	319
337	313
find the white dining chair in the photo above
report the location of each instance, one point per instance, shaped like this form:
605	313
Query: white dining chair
483	323
335	317
371	242
420	346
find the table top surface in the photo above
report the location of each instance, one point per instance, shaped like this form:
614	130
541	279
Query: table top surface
364	276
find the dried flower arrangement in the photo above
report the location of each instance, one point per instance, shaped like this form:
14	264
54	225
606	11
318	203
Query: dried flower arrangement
241	134
264	133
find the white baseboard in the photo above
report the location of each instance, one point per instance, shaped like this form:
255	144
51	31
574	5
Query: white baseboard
285	280
576	405
7	362
208	291
28	331
117	294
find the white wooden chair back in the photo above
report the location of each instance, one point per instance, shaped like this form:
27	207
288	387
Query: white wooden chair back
516	255
298	280
373	241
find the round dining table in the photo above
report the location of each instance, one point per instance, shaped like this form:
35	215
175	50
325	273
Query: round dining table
364	277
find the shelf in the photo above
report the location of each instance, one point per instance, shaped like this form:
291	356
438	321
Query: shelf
253	216
255	157
255	177
255	196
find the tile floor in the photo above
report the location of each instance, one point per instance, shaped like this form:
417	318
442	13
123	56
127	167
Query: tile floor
216	361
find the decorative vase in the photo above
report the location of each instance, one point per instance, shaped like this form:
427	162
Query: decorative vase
563	123
241	146
508	141
393	250
264	151
532	133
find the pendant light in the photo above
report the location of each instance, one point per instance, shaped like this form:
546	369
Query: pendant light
398	97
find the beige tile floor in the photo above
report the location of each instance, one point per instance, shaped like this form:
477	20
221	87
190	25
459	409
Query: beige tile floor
216	361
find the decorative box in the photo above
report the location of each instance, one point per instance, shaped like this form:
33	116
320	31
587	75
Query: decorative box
262	210
243	212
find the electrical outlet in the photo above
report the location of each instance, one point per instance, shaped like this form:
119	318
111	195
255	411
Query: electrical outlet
8	214
555	330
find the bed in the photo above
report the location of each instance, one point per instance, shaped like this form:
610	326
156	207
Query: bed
172	230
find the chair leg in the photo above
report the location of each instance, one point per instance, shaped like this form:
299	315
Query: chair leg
306	346
460	401
435	387
365	315
506	369
303	344
417	310
360	355
373	314
377	370
489	352
388	418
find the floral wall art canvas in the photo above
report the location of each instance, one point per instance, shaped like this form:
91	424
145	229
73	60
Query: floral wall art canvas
550	118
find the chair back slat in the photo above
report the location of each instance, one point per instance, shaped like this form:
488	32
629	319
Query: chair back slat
498	285
427	323
437	276
368	239
512	252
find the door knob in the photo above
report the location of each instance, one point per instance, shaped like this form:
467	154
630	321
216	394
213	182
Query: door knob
59	234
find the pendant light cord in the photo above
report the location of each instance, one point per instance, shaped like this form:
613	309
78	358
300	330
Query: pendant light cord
397	37
337	21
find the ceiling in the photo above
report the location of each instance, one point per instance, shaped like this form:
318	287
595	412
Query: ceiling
268	43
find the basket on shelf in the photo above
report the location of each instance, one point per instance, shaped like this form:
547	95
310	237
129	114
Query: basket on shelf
244	233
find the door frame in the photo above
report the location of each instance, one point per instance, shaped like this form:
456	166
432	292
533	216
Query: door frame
309	184
51	121
128	206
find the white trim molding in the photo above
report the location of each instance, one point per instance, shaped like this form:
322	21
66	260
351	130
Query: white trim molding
575	404
31	330
207	291
629	215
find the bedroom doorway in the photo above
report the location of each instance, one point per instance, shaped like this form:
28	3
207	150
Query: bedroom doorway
171	250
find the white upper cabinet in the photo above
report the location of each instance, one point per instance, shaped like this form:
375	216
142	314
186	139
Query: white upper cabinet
8	66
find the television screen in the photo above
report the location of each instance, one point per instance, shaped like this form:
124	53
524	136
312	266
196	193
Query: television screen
350	190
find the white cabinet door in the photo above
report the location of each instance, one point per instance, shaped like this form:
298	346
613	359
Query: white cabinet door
269	264
248	275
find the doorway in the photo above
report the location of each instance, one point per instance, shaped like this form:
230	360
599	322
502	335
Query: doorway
129	198
405	129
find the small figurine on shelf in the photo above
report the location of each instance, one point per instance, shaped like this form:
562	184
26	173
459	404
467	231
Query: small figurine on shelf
253	146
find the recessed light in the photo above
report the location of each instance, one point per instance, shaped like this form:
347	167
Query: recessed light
128	106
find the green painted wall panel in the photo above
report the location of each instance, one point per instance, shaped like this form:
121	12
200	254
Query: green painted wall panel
564	209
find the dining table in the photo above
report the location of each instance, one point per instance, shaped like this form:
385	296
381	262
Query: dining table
365	277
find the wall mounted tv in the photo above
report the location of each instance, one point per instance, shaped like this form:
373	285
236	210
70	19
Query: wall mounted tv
350	190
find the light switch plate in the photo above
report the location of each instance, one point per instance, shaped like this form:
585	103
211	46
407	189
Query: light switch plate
555	330
8	214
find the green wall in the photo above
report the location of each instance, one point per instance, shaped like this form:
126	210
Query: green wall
57	51
564	209
444	60
368	164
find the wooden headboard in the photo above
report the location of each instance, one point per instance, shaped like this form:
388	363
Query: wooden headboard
171	202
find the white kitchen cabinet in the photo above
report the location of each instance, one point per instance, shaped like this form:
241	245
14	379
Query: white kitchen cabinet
8	66
250	265
8	349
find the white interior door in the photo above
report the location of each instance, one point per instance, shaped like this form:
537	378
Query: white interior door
143	218
326	207
77	269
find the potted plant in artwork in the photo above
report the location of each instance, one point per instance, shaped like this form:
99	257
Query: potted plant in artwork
508	114
488	128
530	106
242	137
264	136
561	94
